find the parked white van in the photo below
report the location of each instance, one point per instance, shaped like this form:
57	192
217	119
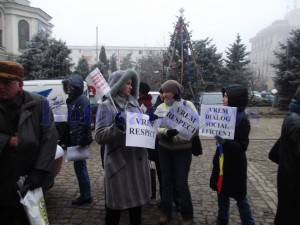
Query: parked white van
53	90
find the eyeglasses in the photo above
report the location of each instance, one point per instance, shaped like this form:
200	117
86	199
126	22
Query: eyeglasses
8	82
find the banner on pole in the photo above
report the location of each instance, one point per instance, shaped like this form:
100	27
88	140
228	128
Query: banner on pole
140	132
96	80
217	120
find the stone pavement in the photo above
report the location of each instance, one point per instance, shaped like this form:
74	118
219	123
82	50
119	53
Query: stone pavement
261	186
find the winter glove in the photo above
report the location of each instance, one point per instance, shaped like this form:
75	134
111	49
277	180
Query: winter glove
36	179
120	121
151	114
167	139
220	140
153	117
171	133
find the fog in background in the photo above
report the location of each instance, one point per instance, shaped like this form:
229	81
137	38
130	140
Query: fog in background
149	23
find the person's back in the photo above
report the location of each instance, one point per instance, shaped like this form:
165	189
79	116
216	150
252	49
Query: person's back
286	153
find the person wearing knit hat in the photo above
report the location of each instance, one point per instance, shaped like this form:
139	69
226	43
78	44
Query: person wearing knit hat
28	141
127	176
172	86
175	156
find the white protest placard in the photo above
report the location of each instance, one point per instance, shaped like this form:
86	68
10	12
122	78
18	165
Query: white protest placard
96	80
140	132
217	120
182	118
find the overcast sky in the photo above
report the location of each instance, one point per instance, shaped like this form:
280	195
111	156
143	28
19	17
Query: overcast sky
149	23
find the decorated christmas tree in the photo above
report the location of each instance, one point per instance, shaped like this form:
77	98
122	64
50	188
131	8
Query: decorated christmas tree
179	62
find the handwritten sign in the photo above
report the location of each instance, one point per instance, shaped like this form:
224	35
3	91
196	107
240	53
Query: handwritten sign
182	118
98	82
140	132
217	120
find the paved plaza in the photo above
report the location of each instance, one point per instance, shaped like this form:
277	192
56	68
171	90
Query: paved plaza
261	185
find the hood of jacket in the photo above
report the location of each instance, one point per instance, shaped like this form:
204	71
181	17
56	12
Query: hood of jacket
237	96
118	78
76	82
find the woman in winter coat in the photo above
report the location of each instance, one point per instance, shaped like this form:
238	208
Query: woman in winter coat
175	157
230	158
127	173
286	153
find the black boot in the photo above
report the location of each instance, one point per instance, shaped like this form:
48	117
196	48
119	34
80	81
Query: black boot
222	221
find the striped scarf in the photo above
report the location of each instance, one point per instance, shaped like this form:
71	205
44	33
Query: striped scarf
221	162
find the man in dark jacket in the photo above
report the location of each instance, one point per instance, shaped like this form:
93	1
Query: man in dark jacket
28	141
79	122
286	153
229	175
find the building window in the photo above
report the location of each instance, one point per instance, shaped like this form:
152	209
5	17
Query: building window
23	34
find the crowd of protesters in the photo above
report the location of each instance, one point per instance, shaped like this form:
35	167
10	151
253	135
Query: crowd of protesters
28	143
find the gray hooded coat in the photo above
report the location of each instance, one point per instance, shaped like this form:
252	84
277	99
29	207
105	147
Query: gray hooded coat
127	174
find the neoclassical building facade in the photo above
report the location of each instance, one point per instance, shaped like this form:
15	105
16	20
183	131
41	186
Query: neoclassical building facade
267	41
18	23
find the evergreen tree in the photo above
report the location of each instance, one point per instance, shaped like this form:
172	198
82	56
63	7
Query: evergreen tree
56	63
287	77
236	68
32	56
113	63
211	63
102	69
149	67
179	61
82	67
126	62
45	58
104	60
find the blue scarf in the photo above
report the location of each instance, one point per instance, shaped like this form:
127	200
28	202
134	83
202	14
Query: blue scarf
294	107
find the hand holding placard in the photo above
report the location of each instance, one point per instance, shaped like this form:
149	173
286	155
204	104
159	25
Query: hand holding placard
171	133
120	121
220	140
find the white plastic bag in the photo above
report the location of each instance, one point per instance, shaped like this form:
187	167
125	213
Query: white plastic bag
35	207
76	153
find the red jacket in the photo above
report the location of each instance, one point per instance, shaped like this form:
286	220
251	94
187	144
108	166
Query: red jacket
146	100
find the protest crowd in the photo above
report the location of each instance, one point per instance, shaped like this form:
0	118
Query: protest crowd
131	132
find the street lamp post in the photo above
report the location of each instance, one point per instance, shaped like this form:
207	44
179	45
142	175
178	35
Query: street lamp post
274	92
